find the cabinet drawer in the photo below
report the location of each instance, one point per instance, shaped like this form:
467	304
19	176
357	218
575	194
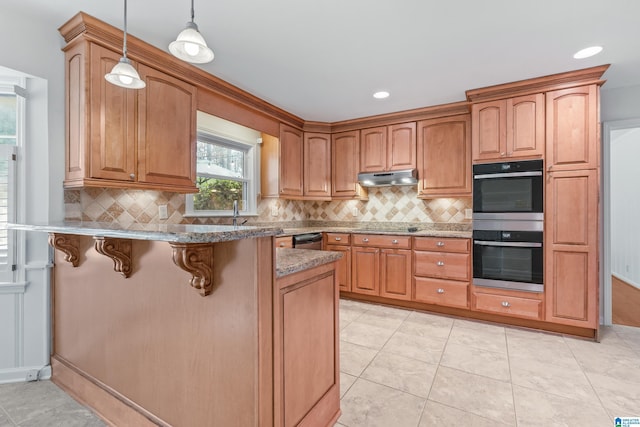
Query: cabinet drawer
338	239
440	292
382	241
508	305
440	244
284	242
441	265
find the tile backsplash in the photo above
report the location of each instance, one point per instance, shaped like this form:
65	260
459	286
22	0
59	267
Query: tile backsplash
385	204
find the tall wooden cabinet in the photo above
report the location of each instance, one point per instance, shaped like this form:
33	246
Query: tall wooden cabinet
444	156
345	164
508	128
126	138
388	148
571	208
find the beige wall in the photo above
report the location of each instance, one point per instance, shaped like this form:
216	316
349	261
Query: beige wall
385	204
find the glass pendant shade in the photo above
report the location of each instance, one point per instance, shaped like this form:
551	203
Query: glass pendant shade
190	46
124	75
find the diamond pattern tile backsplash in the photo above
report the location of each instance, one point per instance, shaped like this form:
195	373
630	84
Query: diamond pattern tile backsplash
385	204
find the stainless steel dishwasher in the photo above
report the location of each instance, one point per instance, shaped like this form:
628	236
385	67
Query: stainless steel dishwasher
308	241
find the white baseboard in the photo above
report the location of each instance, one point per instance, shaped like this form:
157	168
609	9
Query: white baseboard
16	375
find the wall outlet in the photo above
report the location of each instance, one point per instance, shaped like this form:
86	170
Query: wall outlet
163	213
354	212
468	213
274	211
33	375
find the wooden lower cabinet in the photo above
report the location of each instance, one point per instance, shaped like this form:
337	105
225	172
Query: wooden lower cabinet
343	266
284	242
449	293
378	268
306	353
509	303
395	273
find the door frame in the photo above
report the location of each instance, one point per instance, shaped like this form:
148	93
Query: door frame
606	303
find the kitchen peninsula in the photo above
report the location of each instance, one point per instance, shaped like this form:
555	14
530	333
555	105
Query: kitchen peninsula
188	325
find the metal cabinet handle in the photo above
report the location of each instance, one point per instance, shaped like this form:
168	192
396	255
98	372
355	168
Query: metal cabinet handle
440	263
365	240
502	154
506	304
282	244
338	239
440	291
132	176
394	241
440	244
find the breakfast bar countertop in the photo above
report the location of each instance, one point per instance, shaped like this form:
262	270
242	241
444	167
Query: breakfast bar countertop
176	233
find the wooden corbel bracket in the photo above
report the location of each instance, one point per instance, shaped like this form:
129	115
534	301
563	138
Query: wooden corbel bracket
196	259
68	244
119	250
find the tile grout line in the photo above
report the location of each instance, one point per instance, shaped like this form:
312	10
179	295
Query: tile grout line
513	391
13	423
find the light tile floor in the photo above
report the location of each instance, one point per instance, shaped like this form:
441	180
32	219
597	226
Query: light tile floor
405	368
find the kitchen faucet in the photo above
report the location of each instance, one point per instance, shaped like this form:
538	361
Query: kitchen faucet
235	213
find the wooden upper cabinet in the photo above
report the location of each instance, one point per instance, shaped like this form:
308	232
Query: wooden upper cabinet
401	146
113	128
388	148
572	128
317	166
125	138
166	130
373	149
291	161
508	128
345	156
444	156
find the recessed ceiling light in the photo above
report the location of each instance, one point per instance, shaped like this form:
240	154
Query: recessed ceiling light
381	95
587	52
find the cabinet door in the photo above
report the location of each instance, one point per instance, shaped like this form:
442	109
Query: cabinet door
291	161
113	121
444	156
572	128
571	248
525	126
401	146
489	130
373	149
343	266
365	270
345	161
166	131
317	166
395	273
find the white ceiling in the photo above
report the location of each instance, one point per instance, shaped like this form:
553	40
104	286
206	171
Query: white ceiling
322	60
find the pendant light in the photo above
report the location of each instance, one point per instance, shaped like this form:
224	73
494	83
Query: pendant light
190	45
123	74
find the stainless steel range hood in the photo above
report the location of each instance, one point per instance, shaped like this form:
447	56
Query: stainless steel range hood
387	179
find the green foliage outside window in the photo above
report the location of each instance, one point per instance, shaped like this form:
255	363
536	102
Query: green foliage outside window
217	194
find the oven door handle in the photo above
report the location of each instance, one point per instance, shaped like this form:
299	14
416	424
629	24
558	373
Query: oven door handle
508	244
507	175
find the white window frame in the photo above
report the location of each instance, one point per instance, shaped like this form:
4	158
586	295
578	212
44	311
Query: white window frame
12	272
248	207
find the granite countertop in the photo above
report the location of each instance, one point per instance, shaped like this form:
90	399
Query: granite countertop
289	261
424	232
177	233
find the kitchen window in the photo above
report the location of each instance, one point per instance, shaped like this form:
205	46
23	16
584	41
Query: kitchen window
226	171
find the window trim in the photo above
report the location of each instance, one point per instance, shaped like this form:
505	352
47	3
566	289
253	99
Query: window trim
251	166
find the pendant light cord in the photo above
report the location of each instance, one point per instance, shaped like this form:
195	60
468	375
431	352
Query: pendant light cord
192	12
124	45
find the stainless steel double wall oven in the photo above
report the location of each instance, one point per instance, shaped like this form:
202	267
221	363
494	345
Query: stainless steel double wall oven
508	225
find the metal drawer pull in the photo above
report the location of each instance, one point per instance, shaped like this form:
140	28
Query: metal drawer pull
394	241
365	240
282	244
506	304
440	291
132	176
338	239
440	263
440	244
